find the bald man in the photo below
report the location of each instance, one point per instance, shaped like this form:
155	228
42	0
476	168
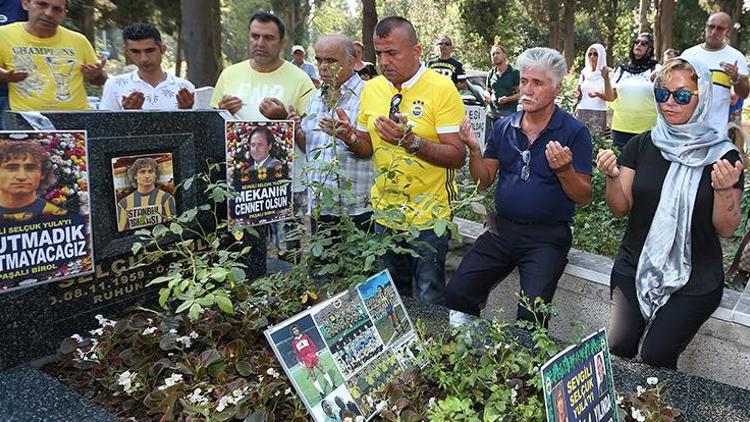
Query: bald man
728	67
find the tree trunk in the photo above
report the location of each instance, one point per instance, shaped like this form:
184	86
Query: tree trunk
369	19
553	9
643	10
201	33
178	51
86	23
663	26
611	30
570	22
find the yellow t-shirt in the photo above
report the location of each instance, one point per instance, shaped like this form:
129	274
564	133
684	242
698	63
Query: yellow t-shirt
55	79
422	191
288	83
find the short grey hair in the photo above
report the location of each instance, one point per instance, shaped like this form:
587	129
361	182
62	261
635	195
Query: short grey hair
545	59
344	42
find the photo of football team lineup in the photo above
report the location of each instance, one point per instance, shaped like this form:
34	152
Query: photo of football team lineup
346	348
349	333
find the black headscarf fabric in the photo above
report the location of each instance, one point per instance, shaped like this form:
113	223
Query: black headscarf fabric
643	64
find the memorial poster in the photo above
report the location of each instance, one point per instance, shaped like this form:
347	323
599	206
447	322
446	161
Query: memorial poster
578	384
260	159
45	227
341	352
144	190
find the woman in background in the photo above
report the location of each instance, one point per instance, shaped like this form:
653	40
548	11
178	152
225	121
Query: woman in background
631	92
592	107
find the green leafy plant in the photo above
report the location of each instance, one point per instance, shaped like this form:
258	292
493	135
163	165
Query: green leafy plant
198	279
161	366
480	371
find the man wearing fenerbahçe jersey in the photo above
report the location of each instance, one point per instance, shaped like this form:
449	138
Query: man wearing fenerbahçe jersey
25	169
424	157
148	205
44	63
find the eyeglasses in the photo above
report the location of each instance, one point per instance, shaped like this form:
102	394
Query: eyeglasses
526	169
681	96
641	42
444	44
395	103
593	54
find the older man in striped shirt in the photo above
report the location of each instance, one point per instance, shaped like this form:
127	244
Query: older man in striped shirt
336	161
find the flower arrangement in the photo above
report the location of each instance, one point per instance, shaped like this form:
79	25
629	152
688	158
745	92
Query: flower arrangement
67	152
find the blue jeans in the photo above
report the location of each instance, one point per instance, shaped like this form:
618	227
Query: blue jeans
4	105
422	277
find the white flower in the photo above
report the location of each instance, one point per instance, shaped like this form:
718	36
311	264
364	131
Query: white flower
197	397
99	331
637	415
620	399
640	390
172	380
126	381
222	404
513	395
652	380
185	340
104	322
288	391
173	331
149	331
77	338
277	393
272	372
431	402
193	335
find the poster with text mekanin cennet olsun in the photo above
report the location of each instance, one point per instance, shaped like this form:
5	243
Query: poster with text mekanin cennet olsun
260	164
45	224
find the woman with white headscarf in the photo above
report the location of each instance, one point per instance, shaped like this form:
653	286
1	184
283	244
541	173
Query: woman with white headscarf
592	108
681	185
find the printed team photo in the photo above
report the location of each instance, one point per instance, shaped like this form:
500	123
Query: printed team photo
373	378
385	307
409	352
144	189
349	332
306	358
45	227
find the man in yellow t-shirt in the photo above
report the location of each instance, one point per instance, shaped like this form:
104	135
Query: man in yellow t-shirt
266	87
420	163
44	63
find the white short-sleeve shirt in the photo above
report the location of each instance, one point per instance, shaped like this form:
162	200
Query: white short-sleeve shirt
161	97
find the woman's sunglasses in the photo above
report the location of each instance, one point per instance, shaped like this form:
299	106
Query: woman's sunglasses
641	42
593	54
681	96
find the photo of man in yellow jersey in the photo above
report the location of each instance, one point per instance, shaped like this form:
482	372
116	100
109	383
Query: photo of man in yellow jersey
143	190
25	171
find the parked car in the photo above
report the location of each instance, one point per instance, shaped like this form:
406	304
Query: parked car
477	77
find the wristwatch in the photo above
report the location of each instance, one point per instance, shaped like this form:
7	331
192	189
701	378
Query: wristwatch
415	144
